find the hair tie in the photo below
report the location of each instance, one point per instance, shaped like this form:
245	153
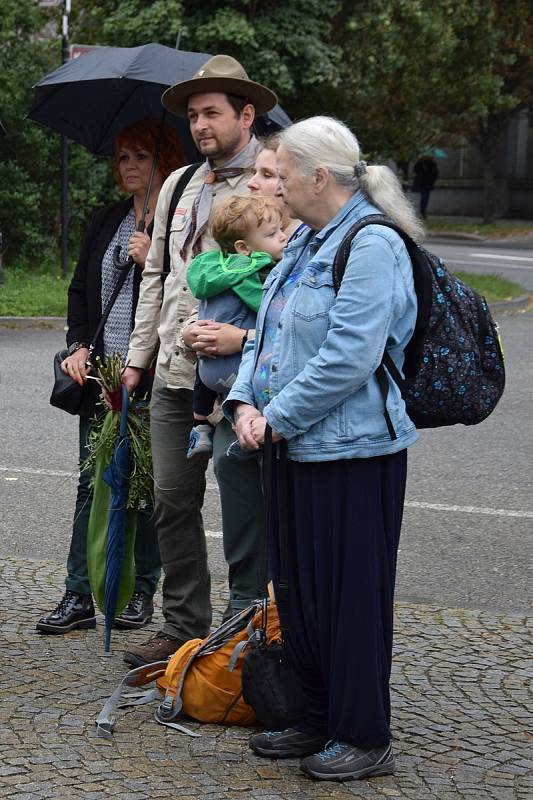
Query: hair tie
359	169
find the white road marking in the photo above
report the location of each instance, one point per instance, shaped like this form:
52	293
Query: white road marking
465	262
492	512
498	256
55	473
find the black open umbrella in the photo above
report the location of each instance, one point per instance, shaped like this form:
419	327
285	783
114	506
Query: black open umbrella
92	98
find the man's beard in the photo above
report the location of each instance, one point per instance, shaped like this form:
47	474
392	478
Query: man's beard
222	150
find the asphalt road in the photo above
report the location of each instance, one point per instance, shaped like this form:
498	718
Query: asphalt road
467	535
513	263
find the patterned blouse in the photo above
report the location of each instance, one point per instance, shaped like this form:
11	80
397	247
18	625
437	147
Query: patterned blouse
118	326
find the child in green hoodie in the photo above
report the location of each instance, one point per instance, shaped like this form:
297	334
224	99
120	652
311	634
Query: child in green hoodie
228	283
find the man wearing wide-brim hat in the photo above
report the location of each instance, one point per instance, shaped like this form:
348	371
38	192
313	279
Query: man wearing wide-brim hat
221	103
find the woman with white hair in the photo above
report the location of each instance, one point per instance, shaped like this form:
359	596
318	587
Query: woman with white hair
311	376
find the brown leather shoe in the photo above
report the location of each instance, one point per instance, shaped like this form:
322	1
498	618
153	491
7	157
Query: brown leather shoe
157	648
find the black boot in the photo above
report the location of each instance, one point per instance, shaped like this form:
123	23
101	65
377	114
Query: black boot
137	613
74	611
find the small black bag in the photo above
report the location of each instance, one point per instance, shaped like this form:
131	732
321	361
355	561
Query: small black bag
66	393
269	684
270	688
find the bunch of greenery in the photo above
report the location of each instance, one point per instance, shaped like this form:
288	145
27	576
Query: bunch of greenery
104	433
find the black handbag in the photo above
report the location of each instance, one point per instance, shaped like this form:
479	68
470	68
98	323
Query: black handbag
268	681
66	393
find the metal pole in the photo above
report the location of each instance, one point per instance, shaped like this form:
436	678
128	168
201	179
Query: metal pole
64	152
2	279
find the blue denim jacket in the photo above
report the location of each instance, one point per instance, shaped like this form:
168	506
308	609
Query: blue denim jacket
325	398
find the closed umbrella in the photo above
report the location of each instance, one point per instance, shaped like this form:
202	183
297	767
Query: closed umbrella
111	535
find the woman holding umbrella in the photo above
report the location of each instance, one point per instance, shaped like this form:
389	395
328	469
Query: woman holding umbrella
89	292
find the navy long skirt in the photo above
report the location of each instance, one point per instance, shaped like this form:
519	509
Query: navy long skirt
344	529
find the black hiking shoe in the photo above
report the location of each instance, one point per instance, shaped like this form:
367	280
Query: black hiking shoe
137	613
289	743
73	611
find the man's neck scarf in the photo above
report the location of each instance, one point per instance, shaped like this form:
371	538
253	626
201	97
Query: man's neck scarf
242	162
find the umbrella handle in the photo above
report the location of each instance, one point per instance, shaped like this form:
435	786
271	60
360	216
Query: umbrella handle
124	408
118	263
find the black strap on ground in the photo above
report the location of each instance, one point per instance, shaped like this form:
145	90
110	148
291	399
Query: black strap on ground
282	590
266	474
176	197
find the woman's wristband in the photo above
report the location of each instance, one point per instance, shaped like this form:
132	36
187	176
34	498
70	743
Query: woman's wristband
244	339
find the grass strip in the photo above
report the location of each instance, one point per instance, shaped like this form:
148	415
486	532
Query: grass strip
33	293
500	229
492	287
44	294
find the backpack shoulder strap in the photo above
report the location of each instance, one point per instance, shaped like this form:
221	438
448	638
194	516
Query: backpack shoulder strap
140	676
339	266
176	196
343	251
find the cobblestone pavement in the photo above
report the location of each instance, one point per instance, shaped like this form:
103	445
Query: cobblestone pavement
461	722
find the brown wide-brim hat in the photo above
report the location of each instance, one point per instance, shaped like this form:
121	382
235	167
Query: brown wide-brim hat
219	74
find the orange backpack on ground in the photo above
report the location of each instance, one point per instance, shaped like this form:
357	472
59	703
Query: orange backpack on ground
202	679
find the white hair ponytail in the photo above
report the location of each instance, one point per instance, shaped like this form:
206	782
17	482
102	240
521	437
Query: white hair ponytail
324	141
384	190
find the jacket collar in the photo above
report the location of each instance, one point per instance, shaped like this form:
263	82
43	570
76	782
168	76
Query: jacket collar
358	203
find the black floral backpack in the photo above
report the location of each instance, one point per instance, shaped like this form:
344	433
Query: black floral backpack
454	370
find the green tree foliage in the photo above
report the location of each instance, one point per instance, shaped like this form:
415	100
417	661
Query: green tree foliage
29	153
284	44
500	48
420	73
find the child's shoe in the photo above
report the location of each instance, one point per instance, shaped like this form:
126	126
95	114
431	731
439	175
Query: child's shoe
201	441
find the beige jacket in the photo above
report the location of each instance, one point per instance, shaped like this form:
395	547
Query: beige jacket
156	323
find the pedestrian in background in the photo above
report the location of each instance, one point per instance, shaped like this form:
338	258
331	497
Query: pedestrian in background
311	377
426	173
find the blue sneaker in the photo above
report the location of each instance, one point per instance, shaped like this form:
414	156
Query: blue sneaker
201	441
341	761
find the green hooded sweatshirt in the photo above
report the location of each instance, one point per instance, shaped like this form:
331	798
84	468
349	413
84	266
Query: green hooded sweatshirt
212	273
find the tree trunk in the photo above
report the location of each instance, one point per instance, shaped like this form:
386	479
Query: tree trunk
489	151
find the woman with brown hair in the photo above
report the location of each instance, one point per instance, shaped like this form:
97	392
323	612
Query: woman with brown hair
89	292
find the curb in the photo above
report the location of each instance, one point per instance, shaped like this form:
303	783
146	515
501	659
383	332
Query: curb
50	323
60	323
511	241
521	303
435	236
